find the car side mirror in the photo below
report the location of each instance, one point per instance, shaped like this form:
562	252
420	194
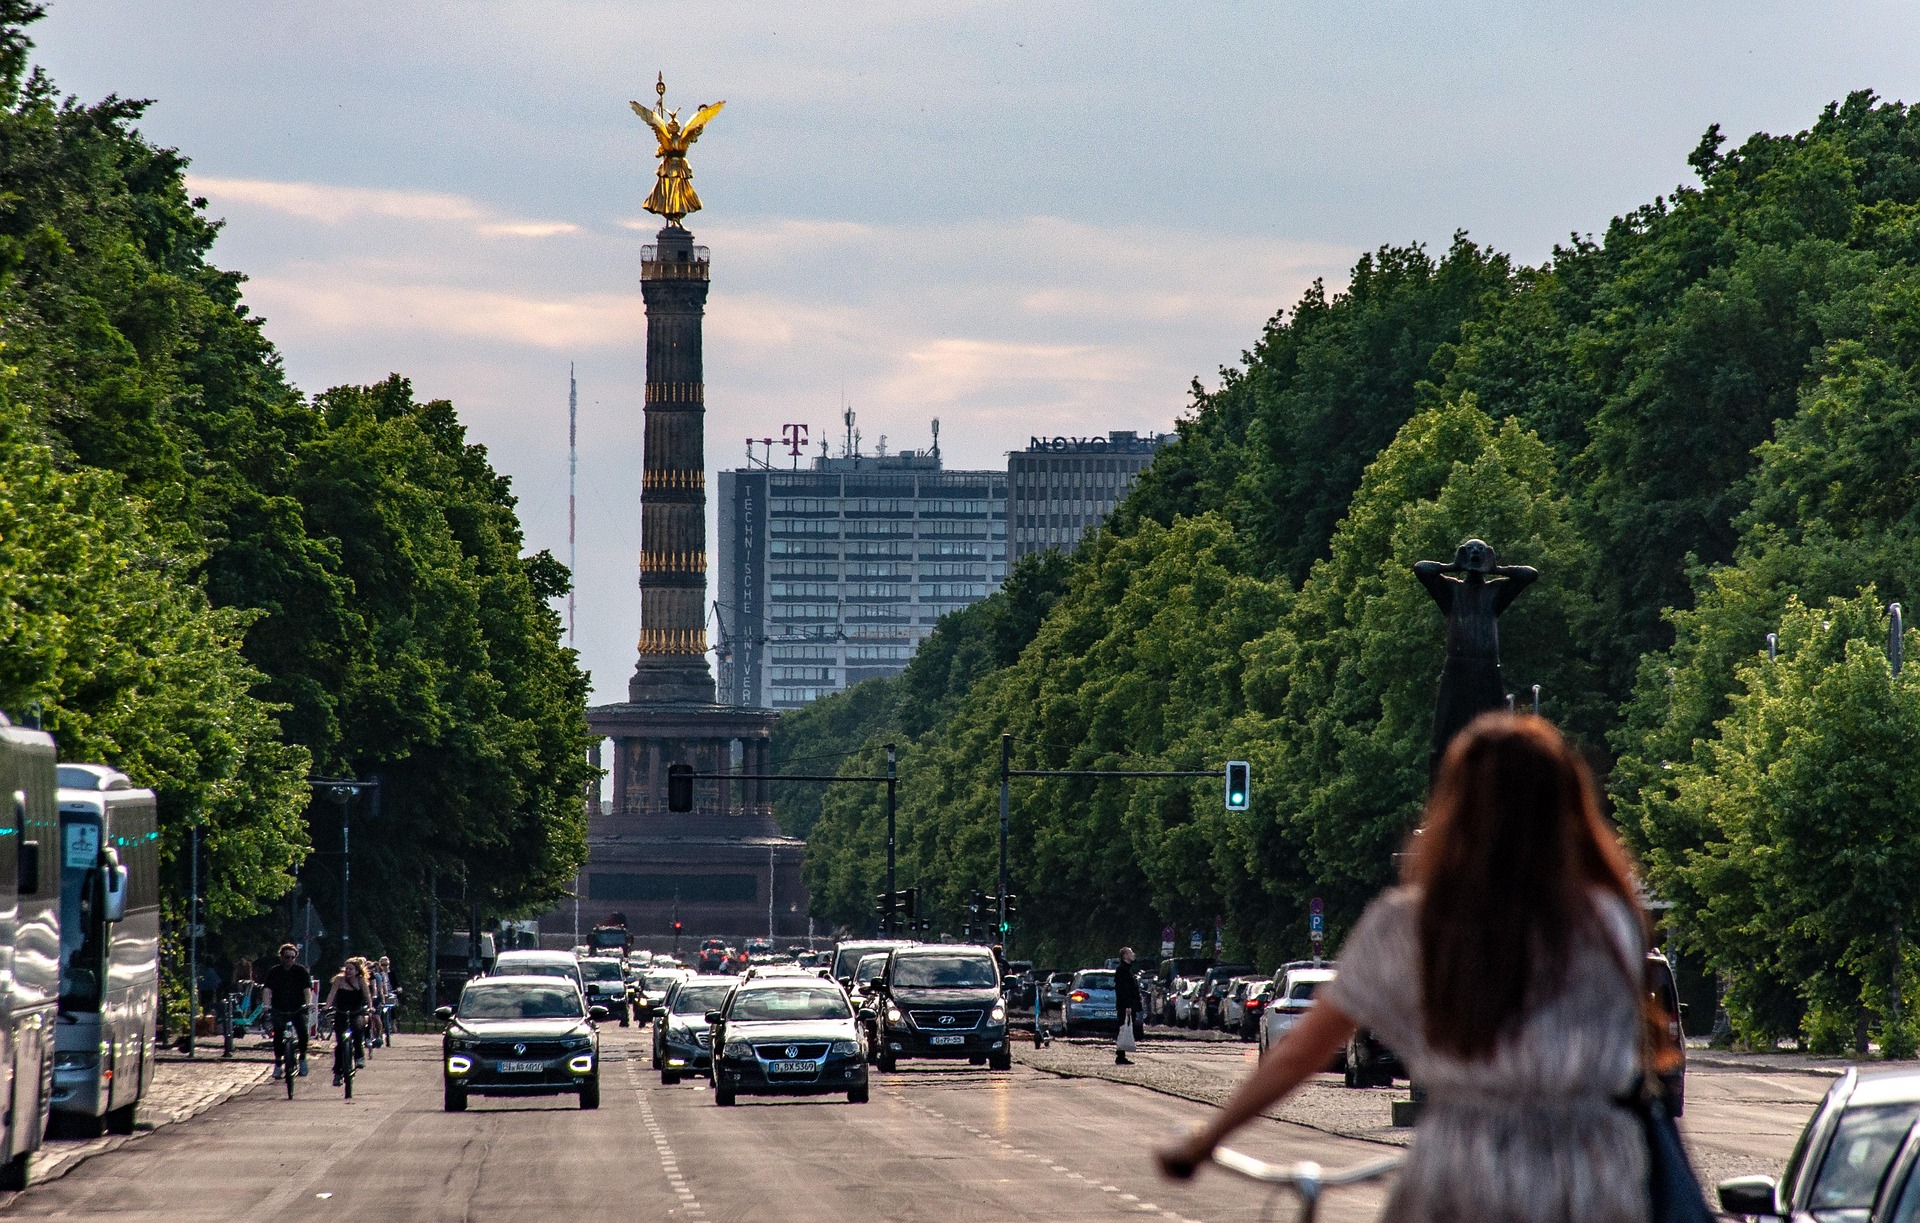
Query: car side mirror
115	878
1749	1195
713	1016
866	1014
597	1013
443	1013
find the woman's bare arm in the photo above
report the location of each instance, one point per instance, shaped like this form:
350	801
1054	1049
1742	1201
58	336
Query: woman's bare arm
1304	1051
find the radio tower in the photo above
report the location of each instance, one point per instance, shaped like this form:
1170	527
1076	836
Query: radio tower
573	471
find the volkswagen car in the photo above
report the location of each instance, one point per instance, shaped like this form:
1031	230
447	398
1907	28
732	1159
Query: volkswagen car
939	1000
682	1038
787	1036
520	1036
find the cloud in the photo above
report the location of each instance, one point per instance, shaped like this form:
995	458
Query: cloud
325	302
332	205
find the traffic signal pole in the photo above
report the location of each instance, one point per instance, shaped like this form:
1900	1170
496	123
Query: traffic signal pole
893	786
1006	774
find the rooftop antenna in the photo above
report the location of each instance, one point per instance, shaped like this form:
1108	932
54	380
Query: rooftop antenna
846	415
936	438
573	475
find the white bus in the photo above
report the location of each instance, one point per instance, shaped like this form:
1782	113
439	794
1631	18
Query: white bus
109	862
29	945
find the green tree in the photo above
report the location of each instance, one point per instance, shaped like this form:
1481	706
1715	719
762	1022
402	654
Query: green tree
1810	795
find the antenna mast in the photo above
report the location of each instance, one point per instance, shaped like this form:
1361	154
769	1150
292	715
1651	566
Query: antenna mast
573	472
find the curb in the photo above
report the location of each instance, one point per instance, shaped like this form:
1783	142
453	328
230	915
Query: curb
1196	1099
113	1142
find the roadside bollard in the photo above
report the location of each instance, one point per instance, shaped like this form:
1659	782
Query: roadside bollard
226	1026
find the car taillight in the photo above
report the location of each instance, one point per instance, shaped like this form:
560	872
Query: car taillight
1079	995
1254	1004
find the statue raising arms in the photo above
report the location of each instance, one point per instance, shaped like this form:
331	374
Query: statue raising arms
1472	590
673	195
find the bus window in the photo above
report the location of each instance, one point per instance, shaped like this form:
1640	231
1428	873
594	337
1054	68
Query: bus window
82	933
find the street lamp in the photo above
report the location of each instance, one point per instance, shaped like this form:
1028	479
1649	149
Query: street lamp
342	792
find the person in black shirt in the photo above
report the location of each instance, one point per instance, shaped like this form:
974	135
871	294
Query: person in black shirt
289	988
1126	1007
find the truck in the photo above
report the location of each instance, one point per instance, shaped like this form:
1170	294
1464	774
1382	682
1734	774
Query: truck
29	944
610	937
109	948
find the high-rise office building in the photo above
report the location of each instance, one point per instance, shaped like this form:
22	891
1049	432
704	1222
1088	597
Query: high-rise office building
1058	487
837	572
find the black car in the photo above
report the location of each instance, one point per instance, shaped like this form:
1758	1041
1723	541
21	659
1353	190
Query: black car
942	1001
682	1038
520	1036
787	1036
1213	991
607	986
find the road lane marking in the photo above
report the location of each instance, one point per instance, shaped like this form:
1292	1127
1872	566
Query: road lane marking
669	1162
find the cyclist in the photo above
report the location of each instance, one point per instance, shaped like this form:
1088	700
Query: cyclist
289	986
348	996
1506	971
377	989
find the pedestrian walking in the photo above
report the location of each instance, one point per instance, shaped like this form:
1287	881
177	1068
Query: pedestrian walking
1506	971
1126	1007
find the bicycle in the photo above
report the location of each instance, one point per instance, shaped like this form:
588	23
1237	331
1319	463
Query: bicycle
286	1055
343	1042
1306	1179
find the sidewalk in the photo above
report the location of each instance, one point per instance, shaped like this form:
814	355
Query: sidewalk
181	1088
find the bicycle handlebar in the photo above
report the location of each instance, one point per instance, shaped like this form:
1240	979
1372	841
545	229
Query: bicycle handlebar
1306	1176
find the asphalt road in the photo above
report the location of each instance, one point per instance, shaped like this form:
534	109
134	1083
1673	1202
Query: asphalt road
937	1142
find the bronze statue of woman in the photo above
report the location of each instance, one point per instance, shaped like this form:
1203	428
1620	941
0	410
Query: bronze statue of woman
1472	590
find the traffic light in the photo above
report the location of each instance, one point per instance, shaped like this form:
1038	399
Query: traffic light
1239	785
1013	903
676	927
679	787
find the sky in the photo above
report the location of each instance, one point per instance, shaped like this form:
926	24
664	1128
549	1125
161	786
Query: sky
1017	218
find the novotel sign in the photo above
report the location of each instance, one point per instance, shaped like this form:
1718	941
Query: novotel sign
1131	444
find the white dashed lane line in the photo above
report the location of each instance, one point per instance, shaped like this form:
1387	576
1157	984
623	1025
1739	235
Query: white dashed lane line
690	1207
1135	1205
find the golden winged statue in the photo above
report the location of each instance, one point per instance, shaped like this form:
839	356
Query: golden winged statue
673	196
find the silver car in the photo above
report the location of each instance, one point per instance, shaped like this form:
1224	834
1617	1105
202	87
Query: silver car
1292	998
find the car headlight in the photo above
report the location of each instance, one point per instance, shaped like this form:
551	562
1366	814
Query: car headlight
458	1045
999	1013
893	1013
580	1042
738	1049
845	1047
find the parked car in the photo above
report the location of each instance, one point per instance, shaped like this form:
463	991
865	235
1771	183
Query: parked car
1254	1007
1188	1006
1666	995
1233	1004
1213	992
1292	997
520	1036
682	1038
942	1001
1089	1005
1168	978
787	1036
1840	1167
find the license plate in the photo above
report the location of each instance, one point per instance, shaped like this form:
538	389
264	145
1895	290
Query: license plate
792	1067
955	1039
522	1067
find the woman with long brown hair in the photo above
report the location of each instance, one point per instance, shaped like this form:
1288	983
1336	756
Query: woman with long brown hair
1505	972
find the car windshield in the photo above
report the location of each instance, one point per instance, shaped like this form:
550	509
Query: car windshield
1863	1145
848	958
871	968
1301	991
1096	980
700	999
945	972
602	970
658	982
519	1001
789	1002
534	970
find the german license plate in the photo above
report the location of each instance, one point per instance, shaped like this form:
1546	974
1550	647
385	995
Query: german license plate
1101	1014
793	1067
955	1039
522	1067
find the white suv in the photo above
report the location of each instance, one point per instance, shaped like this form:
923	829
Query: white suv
1292	996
